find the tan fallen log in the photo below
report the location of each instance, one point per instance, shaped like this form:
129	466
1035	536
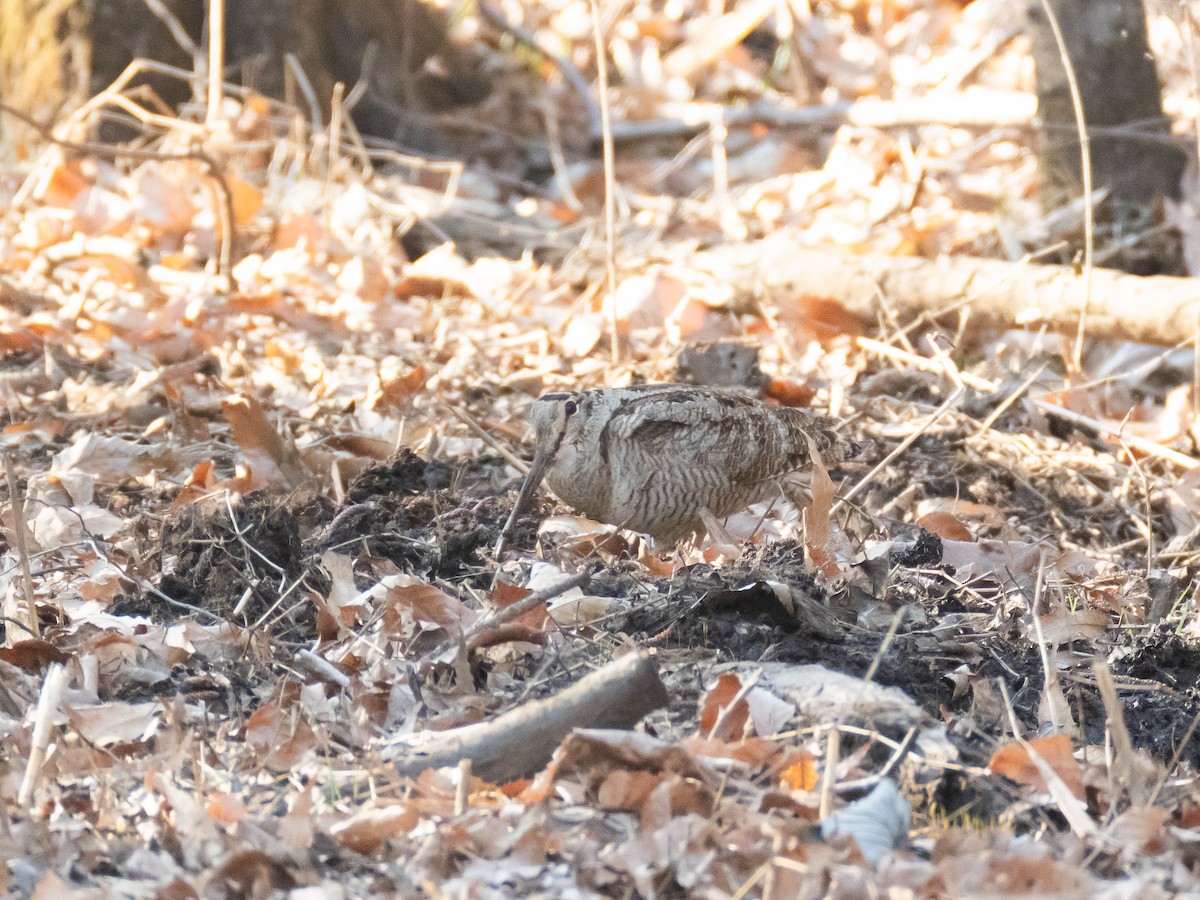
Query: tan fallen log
521	741
1155	309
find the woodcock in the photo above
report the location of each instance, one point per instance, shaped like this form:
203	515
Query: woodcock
652	457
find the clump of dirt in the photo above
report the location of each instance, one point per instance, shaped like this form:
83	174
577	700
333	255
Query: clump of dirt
1158	719
238	556
441	534
409	512
406	475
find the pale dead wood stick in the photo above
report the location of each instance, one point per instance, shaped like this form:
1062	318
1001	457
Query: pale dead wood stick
322	668
1053	698
216	59
1132	775
985	108
21	530
1149	447
518	743
48	700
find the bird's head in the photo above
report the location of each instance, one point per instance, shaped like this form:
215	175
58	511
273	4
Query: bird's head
556	417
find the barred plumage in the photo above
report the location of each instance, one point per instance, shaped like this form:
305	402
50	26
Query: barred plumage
652	457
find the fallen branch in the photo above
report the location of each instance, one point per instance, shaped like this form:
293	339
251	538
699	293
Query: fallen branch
975	108
1155	309
521	741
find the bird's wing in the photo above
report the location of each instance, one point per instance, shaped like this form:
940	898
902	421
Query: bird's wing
722	433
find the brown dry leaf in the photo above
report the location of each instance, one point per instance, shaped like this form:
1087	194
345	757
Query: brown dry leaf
397	393
946	525
163	201
1139	829
198	485
790	393
410	607
585	538
61	184
298	827
713	706
818	527
367	830
33	655
627	790
1028	871
253	873
361	446
1013	762
299	229
596	752
1062	625
961	509
647	301
972	559
280	736
416	285
801	772
505	593
117	269
822	320
754	752
247	199
103	583
273	460
365	279
225	808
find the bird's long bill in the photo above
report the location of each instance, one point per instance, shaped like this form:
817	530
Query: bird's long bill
533	480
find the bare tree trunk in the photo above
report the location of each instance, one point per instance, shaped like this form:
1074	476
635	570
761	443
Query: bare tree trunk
1132	154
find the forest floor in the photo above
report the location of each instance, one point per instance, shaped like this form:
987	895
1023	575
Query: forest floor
261	504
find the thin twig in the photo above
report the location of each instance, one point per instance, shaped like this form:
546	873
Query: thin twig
1085	159
485	626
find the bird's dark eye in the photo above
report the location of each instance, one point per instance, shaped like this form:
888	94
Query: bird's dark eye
570	407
